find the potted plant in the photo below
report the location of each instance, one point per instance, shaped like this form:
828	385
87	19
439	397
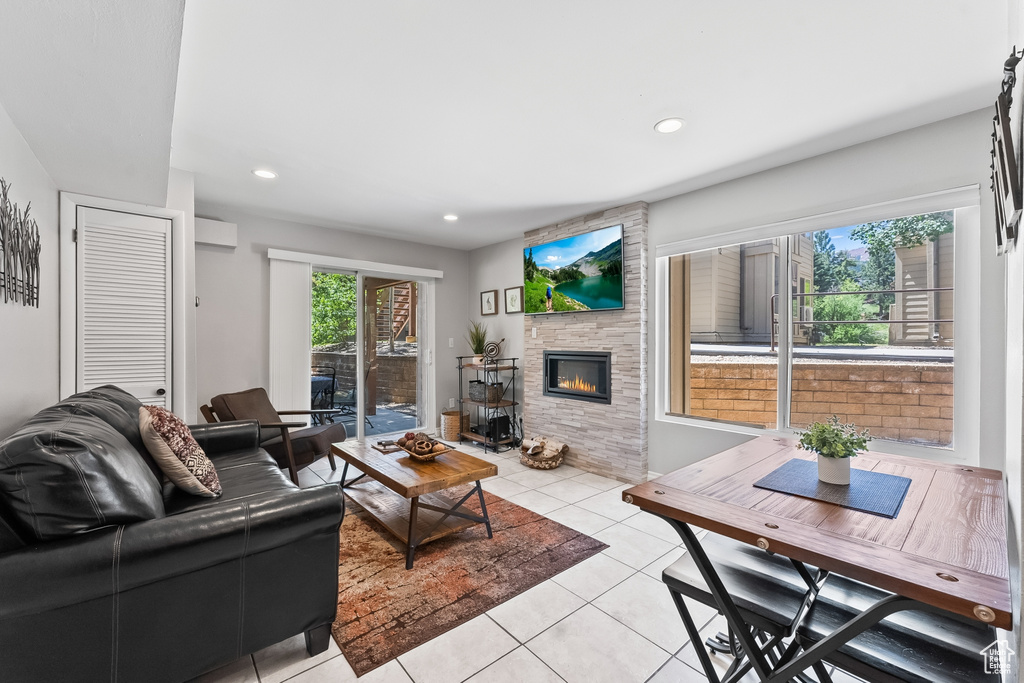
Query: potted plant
835	443
477	340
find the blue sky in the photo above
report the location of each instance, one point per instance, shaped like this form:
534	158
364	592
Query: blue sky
564	252
841	239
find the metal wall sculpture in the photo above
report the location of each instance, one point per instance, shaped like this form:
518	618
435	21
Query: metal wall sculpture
1006	172
19	252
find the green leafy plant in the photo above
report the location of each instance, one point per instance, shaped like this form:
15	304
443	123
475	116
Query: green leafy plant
333	308
833	439
477	337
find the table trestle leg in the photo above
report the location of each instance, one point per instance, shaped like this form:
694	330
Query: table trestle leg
344	476
848	631
483	509
726	605
694	634
453	511
410	549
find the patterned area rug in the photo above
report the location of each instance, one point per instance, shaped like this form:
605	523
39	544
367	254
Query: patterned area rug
385	610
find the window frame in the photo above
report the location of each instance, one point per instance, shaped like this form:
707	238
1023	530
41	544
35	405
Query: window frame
966	353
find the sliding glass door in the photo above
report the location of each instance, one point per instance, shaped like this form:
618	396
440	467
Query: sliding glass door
366	368
392	358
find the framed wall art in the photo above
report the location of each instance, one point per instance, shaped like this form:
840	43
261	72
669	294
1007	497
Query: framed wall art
489	302
19	252
513	299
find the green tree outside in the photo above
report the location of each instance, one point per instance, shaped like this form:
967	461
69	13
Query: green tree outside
846	307
883	237
333	308
831	268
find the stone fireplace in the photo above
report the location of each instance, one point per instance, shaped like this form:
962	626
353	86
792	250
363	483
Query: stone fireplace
607	437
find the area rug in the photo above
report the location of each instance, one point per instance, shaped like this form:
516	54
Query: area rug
385	610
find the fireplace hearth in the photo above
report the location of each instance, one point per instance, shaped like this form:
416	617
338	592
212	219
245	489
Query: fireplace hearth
578	375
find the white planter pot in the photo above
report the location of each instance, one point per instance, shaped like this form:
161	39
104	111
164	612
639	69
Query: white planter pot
834	470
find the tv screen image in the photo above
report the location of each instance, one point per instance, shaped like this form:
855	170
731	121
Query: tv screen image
580	273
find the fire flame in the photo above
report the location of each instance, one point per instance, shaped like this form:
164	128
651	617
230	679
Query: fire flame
577	385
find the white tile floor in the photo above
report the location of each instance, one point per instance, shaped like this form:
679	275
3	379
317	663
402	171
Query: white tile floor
607	619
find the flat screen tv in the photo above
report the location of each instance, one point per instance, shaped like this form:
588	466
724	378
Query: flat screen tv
580	273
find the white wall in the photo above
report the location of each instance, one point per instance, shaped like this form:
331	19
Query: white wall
1015	367
181	196
497	266
232	325
29	349
950	153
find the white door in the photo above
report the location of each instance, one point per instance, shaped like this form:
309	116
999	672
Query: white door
123	265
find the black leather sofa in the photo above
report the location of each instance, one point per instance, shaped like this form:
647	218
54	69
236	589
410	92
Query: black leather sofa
106	574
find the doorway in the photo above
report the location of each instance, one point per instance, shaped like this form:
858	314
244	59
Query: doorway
372	369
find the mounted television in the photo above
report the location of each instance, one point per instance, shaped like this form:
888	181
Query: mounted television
580	273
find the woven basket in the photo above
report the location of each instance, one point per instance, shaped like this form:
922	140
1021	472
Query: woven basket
452	426
485	393
542	455
539	464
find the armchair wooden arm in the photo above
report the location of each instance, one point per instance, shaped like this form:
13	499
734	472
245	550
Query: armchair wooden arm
296	448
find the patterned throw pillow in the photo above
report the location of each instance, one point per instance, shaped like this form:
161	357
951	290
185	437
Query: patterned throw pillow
176	452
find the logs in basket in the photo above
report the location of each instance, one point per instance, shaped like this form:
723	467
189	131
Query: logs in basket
542	453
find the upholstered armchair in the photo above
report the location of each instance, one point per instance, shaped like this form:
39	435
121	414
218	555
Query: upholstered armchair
292	450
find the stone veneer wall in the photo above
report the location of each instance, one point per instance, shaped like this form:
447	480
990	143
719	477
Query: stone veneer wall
610	440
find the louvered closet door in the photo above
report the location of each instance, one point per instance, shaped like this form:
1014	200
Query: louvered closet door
124	303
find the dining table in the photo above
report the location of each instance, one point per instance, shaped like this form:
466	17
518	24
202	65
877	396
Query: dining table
944	551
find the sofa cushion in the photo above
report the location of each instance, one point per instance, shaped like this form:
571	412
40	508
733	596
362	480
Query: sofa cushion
177	453
244	473
68	469
120	410
9	537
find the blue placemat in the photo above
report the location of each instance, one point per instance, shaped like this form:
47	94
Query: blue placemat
874	492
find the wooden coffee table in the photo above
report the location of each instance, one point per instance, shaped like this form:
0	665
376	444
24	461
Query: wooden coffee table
403	494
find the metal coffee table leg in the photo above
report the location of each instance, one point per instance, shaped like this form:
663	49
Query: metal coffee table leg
413	542
483	509
453	511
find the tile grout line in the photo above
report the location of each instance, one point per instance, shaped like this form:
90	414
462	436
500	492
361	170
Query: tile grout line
402	667
519	644
634	571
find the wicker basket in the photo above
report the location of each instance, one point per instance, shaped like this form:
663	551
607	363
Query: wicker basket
538	464
452	426
485	393
542	454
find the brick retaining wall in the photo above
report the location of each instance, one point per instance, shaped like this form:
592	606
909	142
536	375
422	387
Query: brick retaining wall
902	402
396	375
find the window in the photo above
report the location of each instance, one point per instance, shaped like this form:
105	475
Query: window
861	328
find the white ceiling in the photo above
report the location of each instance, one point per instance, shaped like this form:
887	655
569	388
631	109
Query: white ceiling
383	116
90	86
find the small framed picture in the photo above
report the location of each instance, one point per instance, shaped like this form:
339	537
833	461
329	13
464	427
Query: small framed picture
489	302
513	299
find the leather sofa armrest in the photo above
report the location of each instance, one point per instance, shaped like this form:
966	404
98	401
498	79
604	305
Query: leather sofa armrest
223	437
117	559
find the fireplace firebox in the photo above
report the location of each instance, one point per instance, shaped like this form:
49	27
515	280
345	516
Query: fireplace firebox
579	375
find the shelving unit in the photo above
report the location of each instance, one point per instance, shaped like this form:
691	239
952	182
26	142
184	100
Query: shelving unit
481	412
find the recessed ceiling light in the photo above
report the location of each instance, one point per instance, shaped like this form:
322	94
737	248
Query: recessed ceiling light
264	173
669	125
451	217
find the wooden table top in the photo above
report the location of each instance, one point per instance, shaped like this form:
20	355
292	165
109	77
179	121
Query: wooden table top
947	547
410	478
